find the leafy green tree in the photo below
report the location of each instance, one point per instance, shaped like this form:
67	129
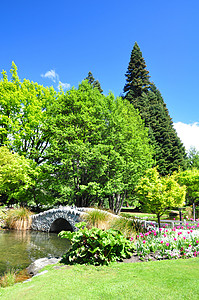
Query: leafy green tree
93	82
157	194
189	178
96	154
24	108
23	114
16	176
169	152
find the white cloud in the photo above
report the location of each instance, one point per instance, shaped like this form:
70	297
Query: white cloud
51	75
55	78
64	86
188	133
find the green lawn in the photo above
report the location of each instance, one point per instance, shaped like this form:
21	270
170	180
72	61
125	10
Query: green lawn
151	217
175	279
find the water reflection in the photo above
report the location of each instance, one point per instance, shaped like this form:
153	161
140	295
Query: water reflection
19	248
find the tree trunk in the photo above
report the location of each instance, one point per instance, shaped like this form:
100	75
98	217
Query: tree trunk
158	220
194	211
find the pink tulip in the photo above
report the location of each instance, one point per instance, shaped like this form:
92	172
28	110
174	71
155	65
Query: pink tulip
167	244
144	241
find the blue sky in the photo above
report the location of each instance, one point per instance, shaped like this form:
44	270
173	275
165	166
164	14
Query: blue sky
53	41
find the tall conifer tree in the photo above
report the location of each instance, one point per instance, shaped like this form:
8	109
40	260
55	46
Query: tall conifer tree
137	77
169	150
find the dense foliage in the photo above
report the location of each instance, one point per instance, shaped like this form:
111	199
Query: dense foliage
95	246
23	115
85	146
96	155
169	152
190	179
16	176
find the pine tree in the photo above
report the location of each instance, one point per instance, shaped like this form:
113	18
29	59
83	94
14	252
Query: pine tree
97	85
169	150
90	78
137	77
93	82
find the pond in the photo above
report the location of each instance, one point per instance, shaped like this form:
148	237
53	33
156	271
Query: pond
18	249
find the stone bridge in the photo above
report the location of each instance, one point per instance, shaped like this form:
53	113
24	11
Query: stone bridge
58	219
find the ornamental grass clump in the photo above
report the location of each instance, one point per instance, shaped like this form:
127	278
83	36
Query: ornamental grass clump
18	218
128	227
8	279
97	218
96	246
128	224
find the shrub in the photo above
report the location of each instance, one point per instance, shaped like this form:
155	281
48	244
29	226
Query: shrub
96	246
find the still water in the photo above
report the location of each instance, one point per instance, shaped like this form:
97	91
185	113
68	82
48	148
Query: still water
18	249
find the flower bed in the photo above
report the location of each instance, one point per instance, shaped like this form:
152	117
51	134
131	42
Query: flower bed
165	243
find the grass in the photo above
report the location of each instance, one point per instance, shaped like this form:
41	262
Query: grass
8	279
174	279
146	216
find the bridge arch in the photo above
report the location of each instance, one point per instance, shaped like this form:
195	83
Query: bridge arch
59	225
57	219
